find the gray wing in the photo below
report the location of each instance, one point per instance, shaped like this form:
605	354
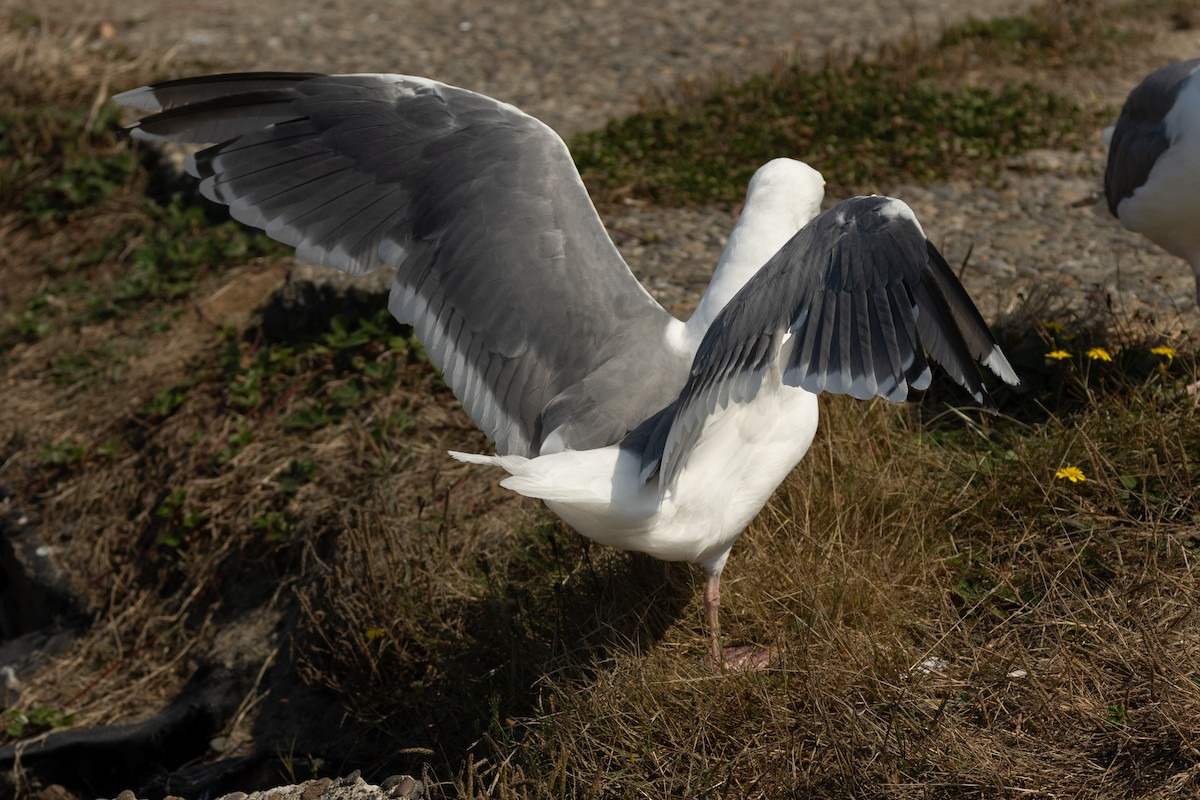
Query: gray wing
1140	135
504	268
863	295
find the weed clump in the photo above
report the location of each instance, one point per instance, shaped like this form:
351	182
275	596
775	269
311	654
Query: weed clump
862	124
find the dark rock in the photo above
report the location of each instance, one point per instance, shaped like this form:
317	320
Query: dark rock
91	760
34	591
314	789
208	780
403	787
54	792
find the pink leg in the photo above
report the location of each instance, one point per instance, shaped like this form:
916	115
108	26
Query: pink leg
712	607
1194	388
737	658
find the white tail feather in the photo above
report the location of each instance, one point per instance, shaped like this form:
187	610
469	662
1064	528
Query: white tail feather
512	464
546	478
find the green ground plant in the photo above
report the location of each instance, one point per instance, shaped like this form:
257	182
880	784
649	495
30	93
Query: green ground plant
865	123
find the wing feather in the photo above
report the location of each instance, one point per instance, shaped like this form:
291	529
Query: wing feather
863	296
501	258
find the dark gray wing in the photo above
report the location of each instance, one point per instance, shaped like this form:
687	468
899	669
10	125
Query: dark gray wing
863	294
1140	135
504	268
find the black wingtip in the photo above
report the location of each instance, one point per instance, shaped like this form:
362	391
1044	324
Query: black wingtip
165	95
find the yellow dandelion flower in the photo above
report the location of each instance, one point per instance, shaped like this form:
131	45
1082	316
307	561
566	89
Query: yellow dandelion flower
1164	351
374	633
1072	474
1058	355
1054	327
1099	354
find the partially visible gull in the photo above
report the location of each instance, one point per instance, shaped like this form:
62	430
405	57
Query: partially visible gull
1152	182
643	432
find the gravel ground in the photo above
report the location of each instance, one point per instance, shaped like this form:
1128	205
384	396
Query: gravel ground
572	64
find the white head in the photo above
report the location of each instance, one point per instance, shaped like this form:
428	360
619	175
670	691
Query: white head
788	186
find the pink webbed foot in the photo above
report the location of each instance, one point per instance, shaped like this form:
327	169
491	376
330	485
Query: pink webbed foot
742	658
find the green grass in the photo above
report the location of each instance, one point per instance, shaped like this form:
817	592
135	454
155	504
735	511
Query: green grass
353	361
57	162
1062	33
167	250
863	125
38	719
64	163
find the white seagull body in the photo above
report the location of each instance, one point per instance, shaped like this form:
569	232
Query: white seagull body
1152	181
642	432
740	457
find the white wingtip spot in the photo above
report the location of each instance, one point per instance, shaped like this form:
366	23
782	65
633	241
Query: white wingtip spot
998	364
895	208
189	166
141	98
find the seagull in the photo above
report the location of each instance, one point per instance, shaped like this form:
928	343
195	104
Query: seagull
643	432
1152	181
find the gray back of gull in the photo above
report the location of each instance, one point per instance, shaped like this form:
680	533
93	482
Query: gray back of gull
1141	134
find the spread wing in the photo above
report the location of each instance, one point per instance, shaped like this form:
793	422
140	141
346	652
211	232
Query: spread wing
850	305
505	271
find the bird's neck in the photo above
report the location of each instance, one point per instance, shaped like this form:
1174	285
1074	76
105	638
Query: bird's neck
756	237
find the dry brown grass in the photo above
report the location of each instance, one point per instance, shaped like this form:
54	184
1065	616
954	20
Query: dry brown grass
945	630
952	619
